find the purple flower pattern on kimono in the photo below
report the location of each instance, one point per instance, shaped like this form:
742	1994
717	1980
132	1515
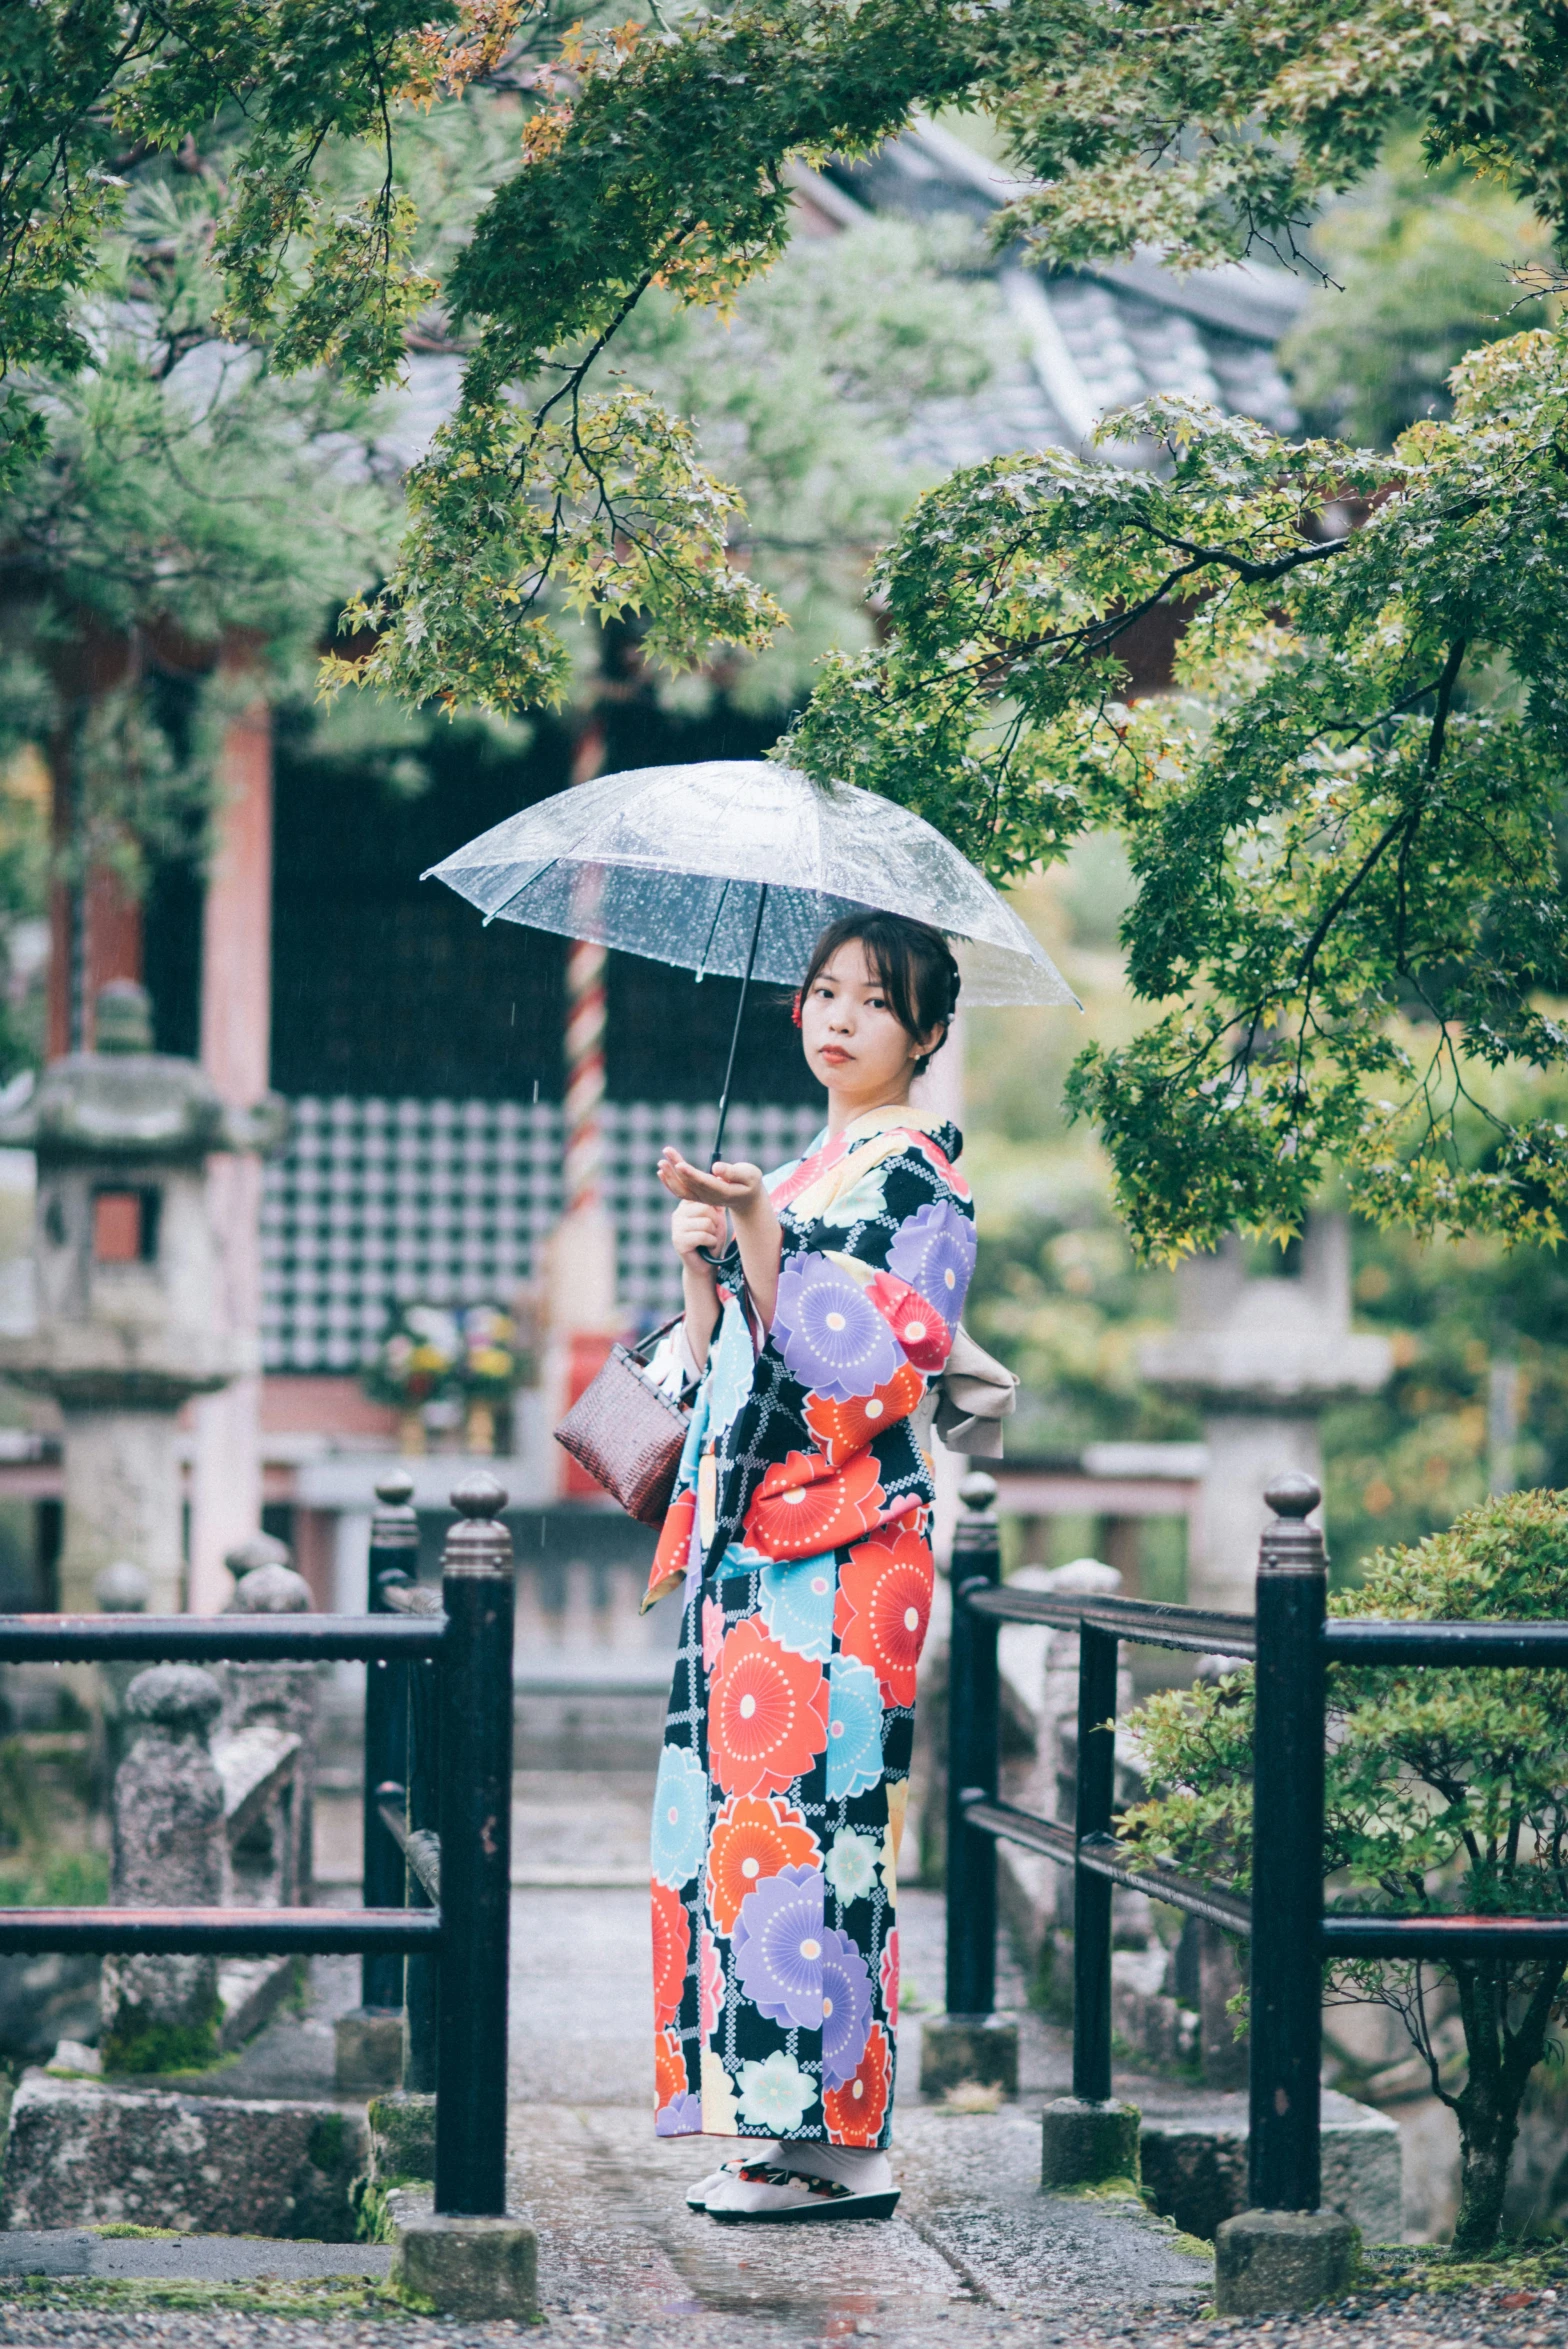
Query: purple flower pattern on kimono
935	1252
830	1334
777	1947
846	2008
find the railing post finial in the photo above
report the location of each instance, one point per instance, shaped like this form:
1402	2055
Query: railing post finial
394	1526
479	1542
1289	1544
976	1527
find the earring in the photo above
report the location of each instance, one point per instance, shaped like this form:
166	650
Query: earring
794	1009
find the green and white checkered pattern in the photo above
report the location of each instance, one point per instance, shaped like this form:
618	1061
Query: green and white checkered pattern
382	1202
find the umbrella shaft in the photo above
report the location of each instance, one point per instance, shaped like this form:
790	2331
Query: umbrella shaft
740	1013
715	1256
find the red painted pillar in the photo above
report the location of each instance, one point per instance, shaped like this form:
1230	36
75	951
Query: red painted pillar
95	924
236	1030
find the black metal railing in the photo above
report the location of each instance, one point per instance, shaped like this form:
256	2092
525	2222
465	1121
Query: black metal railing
1290	1640
402	1831
438	1687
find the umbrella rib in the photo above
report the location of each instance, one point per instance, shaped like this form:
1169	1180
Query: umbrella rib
713	929
498	912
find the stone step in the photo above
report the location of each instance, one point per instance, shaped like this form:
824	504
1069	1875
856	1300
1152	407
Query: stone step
192	2259
1193	2149
80	2153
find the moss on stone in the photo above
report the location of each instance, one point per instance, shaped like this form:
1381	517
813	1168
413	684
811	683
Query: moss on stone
330	2296
372	2219
135	2047
328	2142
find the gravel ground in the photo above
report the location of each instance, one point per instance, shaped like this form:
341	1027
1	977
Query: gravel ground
1506	2314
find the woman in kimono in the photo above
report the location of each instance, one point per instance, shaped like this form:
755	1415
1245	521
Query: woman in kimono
799	1531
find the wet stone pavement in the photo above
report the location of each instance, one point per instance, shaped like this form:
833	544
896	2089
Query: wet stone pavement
975	2249
976	2255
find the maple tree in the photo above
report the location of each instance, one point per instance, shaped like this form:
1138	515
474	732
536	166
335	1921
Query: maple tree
1343	827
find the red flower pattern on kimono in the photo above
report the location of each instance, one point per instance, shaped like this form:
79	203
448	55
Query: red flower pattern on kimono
890	1977
669	2070
752	1837
854	2112
883	1607
809	1171
843	1429
712	1633
669	1559
767	1713
803	1506
710	1974
919	1328
671	1952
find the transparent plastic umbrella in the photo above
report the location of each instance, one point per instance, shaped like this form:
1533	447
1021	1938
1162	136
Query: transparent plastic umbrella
733	866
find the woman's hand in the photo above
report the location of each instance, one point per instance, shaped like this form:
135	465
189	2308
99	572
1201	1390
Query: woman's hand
696	1225
736	1187
739	1189
693	1227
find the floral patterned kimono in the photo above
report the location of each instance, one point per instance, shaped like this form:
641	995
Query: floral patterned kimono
799	1527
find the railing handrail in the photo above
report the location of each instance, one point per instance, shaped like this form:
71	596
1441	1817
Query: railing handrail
247	1932
1357	1933
211	1639
1146	1622
1374	1639
1348	1639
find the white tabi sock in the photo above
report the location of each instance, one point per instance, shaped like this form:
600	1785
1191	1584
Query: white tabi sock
858	2167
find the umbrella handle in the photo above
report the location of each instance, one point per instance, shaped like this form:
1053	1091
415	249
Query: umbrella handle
729	1070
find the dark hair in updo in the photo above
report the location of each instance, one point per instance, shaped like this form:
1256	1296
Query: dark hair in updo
913	962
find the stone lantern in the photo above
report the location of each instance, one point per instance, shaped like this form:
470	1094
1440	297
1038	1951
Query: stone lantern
129	1323
1263	1358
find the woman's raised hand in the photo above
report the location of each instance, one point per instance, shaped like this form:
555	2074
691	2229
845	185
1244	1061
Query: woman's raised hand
740	1189
736	1186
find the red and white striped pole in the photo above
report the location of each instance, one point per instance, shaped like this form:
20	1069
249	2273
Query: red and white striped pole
583	1169
584	1322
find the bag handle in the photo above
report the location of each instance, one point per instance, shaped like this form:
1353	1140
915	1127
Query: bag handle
645	1348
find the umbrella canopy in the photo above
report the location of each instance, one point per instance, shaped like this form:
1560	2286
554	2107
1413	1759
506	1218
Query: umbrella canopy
734	866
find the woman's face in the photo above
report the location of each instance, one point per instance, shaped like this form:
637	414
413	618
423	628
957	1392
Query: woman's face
854	1045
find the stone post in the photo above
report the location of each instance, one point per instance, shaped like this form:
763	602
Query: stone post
257	1549
168	1850
280	1696
121	1589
